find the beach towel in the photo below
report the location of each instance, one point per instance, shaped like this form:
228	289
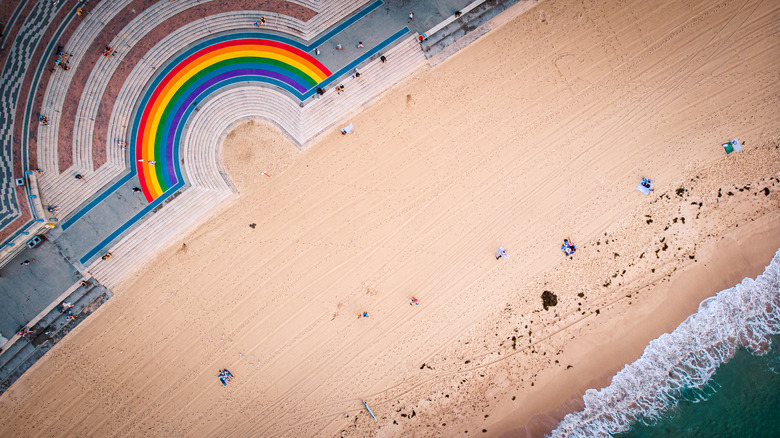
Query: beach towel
732	146
347	129
644	189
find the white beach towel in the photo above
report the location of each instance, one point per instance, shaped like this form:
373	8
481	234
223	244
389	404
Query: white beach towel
643	189
347	129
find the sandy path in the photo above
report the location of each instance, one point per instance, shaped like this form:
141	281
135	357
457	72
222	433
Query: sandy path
537	132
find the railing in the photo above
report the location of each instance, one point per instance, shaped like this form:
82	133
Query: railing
451	18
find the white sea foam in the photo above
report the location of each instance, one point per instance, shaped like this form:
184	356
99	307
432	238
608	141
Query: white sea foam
679	365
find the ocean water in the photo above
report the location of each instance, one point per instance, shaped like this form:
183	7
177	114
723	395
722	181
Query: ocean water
744	404
716	374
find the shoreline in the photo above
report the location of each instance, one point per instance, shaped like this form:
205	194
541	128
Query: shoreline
740	253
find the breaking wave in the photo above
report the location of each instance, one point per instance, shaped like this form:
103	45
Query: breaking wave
679	365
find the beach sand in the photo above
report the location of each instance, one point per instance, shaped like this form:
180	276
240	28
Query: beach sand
537	132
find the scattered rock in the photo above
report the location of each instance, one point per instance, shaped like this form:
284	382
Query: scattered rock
549	299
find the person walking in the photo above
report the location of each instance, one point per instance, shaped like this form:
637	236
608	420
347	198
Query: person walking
80	177
411	16
27	262
360	44
136	189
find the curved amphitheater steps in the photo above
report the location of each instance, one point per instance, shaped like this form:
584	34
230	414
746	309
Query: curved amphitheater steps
208	184
63	190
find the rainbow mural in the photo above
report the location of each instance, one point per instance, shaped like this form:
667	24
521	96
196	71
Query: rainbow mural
198	73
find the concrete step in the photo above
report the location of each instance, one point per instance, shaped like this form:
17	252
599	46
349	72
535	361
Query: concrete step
156	233
331	13
46	333
376	79
68	193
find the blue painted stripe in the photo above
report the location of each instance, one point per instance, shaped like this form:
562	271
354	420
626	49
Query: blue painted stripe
126	226
348	22
347	68
98	199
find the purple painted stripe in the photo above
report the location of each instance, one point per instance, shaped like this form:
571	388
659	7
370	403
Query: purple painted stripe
192	95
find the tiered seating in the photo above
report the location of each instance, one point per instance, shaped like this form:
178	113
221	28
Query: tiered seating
330	12
209	126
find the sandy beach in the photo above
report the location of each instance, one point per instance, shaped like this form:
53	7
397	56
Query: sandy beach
537	132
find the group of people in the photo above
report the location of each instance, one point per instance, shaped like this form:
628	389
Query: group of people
225	377
65	307
62	59
24	332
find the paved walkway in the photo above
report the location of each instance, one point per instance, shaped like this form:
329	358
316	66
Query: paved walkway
27	290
